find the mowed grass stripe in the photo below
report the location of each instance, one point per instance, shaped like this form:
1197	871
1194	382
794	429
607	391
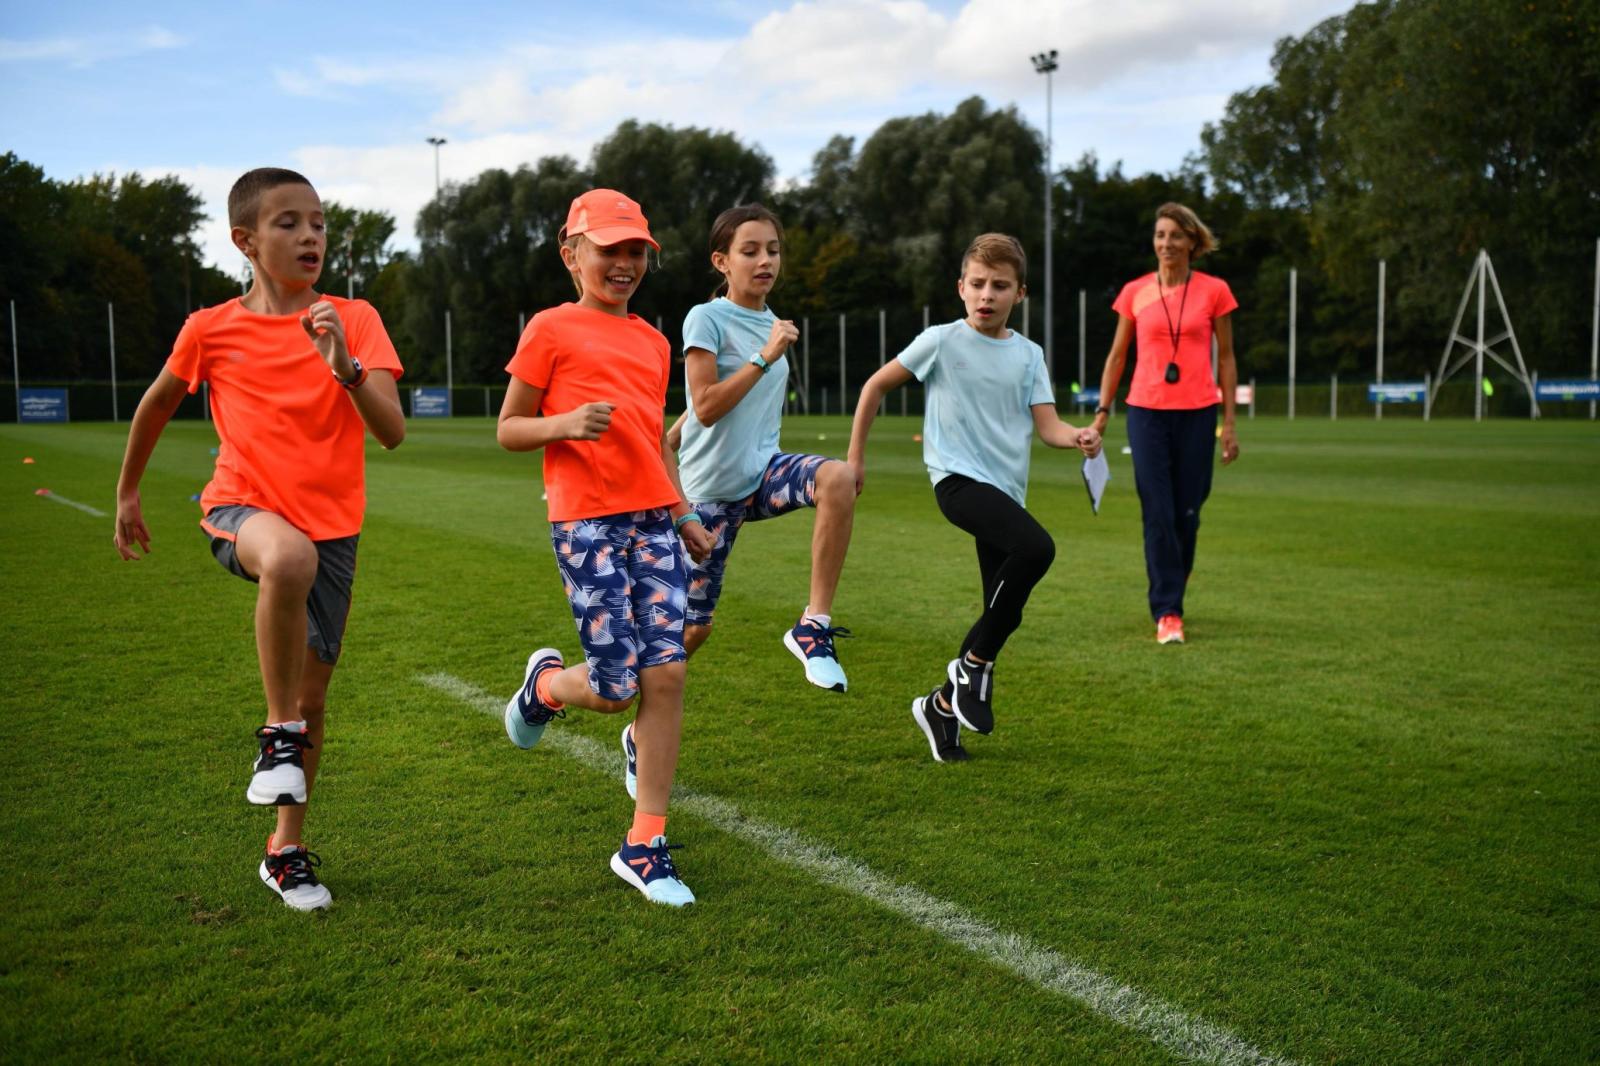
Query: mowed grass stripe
1170	1027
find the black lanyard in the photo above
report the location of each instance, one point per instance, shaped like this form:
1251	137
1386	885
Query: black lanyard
1174	331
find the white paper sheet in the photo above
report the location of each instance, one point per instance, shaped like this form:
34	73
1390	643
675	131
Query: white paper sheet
1096	472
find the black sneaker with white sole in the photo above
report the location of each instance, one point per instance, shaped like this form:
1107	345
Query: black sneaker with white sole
940	727
291	873
972	687
280	770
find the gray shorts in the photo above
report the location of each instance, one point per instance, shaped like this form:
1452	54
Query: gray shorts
327	604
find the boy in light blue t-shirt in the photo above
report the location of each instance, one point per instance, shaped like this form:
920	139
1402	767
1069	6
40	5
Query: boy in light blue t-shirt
987	393
732	469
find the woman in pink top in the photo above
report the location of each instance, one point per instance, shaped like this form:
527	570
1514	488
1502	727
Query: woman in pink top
1172	403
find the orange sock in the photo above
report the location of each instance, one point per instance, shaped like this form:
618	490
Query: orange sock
541	689
647	827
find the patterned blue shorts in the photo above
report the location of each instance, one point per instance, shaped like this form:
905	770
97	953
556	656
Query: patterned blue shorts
790	483
626	578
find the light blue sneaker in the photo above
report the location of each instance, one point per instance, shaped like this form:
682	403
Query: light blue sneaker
630	775
648	867
813	646
526	716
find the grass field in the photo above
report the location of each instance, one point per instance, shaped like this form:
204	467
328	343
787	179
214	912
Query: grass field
1355	819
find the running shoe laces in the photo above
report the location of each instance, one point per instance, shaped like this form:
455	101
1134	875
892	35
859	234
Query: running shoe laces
280	746
292	867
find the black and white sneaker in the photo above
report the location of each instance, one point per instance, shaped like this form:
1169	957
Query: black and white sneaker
940	727
973	687
280	771
289	872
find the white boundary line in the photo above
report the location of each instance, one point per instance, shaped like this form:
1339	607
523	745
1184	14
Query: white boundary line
1184	1034
85	508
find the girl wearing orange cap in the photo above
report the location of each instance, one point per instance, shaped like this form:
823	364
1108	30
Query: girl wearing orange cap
588	385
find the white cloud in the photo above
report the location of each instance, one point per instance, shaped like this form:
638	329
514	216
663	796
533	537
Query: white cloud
1155	70
79	52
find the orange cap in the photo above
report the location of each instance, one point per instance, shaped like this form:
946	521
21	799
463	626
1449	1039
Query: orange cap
607	217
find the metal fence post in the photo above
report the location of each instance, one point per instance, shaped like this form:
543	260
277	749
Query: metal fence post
805	349
844	388
1377	408
883	354
449	370
1333	399
1294	288
111	336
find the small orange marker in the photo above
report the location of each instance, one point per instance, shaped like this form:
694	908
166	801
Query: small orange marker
27	461
41	492
917	437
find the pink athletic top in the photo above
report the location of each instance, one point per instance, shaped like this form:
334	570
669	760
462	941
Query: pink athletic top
1193	318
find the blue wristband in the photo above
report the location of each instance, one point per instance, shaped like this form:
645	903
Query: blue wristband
678	523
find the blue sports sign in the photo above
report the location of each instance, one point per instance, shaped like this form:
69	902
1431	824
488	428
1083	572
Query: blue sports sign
430	403
1398	392
42	405
1569	390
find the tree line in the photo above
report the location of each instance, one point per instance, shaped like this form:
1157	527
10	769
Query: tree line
1415	131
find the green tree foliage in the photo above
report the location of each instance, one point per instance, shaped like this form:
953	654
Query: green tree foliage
69	249
1419	131
358	248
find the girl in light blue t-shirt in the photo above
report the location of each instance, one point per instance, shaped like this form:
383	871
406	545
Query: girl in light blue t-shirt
732	469
988	394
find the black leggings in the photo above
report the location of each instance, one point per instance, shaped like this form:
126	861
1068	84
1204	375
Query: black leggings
1014	551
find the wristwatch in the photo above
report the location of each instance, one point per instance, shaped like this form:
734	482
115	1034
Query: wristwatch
759	363
1102	410
356	381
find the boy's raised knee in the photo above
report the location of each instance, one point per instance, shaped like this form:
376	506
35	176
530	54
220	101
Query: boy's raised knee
289	560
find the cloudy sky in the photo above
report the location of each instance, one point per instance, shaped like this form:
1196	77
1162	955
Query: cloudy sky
348	93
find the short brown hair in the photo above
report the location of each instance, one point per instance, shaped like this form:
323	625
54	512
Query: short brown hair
997	249
244	199
1190	223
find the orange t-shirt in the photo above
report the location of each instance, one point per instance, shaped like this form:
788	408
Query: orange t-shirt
578	355
292	441
1194	317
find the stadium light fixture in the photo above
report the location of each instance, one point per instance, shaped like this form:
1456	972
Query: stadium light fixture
436	142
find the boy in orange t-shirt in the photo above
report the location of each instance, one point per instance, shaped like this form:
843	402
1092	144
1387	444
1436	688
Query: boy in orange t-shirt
285	504
589	385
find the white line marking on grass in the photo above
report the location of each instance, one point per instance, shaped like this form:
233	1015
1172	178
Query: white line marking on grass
85	508
1173	1028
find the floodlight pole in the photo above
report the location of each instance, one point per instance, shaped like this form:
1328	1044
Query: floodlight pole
1045	63
1083	338
436	142
350	262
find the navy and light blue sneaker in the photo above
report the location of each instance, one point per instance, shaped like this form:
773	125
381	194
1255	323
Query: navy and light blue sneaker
648	867
813	645
630	752
526	715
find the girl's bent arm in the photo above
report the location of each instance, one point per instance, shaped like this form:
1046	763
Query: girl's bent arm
713	398
522	429
160	401
1112	376
889	377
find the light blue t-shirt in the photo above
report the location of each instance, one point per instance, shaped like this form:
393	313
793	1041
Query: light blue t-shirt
980	397
725	461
